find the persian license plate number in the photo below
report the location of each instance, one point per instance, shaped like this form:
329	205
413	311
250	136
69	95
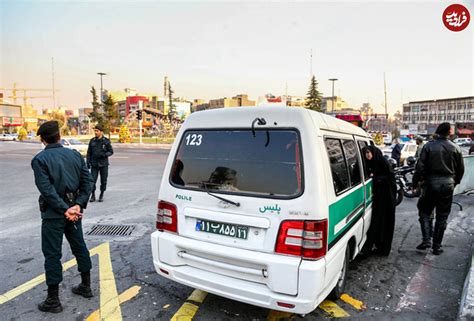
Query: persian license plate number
231	230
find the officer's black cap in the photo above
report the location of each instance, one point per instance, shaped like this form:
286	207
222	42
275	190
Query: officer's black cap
48	129
99	127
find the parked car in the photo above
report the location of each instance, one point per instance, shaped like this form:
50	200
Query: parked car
463	141
73	143
408	149
228	225
7	136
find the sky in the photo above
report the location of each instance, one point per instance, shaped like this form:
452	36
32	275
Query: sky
223	48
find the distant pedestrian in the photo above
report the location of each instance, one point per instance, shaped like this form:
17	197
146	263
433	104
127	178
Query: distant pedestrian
420	142
65	184
98	153
384	188
397	152
439	169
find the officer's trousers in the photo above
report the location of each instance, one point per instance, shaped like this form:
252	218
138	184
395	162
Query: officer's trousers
104	172
436	194
52	231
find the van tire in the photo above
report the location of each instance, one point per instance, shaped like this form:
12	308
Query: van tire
341	282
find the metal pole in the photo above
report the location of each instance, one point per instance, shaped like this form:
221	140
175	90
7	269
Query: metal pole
333	80
385	92
140	107
54	88
101	87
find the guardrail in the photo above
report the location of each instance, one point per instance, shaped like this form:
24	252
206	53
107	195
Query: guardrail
467	182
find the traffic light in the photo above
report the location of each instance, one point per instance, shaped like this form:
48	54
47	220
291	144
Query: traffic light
139	114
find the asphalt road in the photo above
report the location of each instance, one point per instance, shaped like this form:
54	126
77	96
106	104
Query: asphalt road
407	285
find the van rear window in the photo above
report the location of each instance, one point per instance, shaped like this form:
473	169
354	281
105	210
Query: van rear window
262	163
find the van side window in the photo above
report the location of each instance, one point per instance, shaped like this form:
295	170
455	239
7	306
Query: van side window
363	144
338	164
350	151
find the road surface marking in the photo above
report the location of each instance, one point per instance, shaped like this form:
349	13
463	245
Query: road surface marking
124	297
278	315
190	307
30	284
333	309
109	302
359	305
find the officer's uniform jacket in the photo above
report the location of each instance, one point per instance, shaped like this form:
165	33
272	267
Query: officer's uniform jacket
99	152
441	160
58	171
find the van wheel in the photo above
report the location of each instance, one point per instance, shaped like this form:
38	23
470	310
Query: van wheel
341	282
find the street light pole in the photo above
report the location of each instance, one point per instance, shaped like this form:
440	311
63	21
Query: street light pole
101	88
333	80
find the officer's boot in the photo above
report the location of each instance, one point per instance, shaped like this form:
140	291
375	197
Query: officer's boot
92	197
101	196
426	231
52	303
438	236
84	288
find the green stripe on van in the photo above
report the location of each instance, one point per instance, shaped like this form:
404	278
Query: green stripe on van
341	209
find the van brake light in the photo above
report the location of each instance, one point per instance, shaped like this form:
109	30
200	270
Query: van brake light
167	217
307	239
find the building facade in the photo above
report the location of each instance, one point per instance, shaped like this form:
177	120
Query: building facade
339	104
422	117
10	117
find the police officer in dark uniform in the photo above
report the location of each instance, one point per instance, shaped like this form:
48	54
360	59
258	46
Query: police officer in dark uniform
439	169
65	184
98	155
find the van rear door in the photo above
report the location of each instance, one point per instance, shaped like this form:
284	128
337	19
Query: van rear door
235	176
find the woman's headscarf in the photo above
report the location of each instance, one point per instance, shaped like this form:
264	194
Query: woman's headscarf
378	165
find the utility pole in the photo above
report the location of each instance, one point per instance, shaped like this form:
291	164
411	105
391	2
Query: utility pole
333	80
54	87
101	74
385	92
140	107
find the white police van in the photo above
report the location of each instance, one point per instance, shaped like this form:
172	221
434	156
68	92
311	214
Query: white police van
263	205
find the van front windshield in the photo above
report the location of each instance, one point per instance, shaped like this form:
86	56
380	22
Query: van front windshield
262	162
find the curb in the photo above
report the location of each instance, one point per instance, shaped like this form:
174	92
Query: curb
466	307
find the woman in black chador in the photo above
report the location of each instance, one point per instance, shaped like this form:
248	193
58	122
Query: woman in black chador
384	189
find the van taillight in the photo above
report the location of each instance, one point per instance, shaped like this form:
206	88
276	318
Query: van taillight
307	239
167	217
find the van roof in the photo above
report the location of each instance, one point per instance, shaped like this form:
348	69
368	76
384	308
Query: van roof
237	116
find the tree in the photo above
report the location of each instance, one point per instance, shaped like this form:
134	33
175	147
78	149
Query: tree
124	134
172	109
97	114
61	118
110	114
22	134
313	100
378	139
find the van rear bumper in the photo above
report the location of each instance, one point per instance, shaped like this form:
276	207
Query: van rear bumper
310	278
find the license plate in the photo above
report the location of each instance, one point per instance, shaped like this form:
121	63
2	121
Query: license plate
231	230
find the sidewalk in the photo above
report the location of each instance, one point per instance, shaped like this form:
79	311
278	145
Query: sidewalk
114	145
143	145
466	307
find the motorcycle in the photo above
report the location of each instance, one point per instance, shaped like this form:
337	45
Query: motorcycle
404	185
